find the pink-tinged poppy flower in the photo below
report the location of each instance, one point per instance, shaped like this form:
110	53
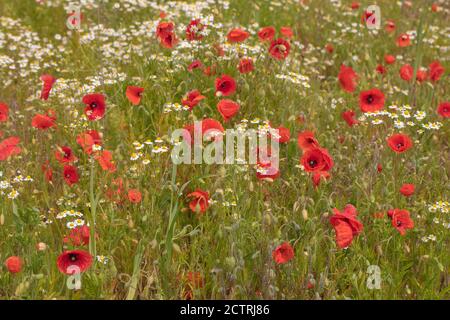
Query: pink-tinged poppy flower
225	85
403	40
406	72
346	225
200	201
245	65
286	32
401	220
436	71
306	140
237	35
227	109
283	253
196	64
134	94
279	49
71	261
4	112
349	117
70	174
318	176
194	30
407	189
44	121
65	154
88	139
389	59
444	109
14	264
134	195
266	33
105	160
316	159
371	100
389	27
47	85
192	99
95	106
347	78
8	148
78	236
400	143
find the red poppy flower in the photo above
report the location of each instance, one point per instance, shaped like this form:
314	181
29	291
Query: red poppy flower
134	195
70	175
193	281
349	117
237	35
283	253
421	75
401	220
279	49
192	99
79	236
316	159
444	109
400	142
390	26
209	127
266	33
346	225
8	148
286	32
225	85
44	121
389	59
407	189
88	139
406	72
371	100
329	48
265	170
347	78
355	5
379	168
200	201
164	28
74	258
380	69
245	65
65	154
317	177
47	85
284	134
403	40
194	30
48	172
435	7
168	40
228	109
134	94
4	112
436	71
306	140
95	106
196	64
13	264
104	158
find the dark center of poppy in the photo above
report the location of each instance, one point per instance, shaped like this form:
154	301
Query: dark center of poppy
370	99
399	145
72	257
94	105
399	223
223	85
312	163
